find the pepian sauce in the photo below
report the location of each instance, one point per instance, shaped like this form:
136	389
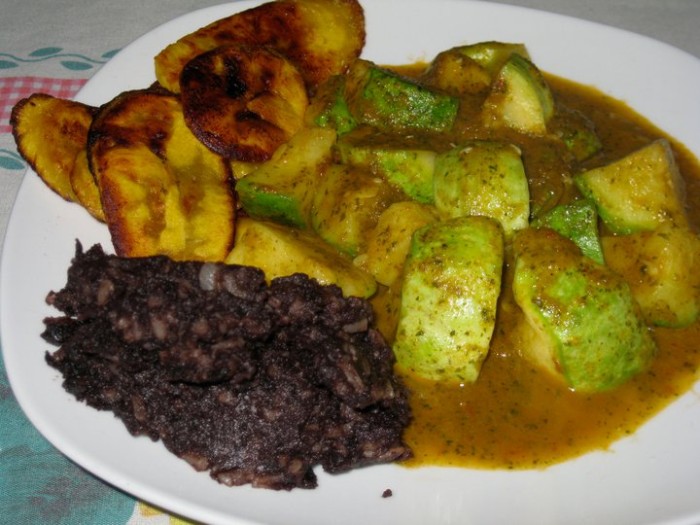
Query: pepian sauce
515	416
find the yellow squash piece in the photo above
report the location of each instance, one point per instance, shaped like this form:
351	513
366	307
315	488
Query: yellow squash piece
638	192
282	250
50	133
389	241
163	191
662	267
520	98
321	37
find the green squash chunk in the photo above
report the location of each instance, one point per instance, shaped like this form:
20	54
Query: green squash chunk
282	250
663	270
578	221
282	188
483	178
408	168
639	191
469	70
576	132
390	102
492	55
452	281
584	324
520	98
347	203
455	73
328	107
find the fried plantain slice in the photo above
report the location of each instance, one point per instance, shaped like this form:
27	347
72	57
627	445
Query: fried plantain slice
163	191
50	133
85	187
320	37
243	101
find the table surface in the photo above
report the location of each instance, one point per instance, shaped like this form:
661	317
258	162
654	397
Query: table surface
55	46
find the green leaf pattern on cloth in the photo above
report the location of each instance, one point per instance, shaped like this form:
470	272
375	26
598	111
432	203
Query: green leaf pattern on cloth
70	61
38	484
10	160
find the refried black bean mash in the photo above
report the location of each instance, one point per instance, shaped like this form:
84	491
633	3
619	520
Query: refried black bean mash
255	383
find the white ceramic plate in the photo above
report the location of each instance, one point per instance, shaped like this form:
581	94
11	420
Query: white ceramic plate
651	477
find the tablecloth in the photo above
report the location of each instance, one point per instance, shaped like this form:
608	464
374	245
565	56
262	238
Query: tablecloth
55	47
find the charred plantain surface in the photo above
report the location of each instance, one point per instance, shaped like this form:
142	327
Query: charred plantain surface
320	37
243	102
255	383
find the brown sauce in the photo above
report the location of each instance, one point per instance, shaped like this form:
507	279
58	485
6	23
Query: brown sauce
515	416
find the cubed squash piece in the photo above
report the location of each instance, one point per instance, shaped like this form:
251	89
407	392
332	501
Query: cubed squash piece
347	202
328	107
390	102
410	168
282	250
483	178
492	55
584	324
577	132
578	221
663	269
282	188
470	69
454	72
639	191
388	242
520	98
451	286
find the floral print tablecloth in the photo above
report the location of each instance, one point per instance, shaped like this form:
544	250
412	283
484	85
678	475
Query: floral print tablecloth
38	485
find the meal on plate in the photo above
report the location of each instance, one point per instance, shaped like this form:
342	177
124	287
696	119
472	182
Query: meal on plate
324	260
